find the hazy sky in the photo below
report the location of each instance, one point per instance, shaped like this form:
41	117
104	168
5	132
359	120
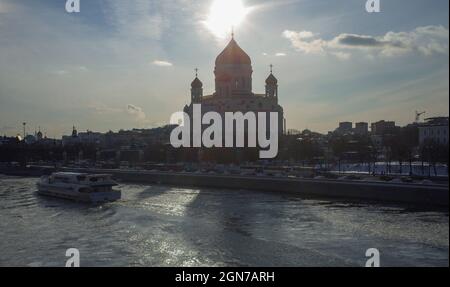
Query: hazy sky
124	64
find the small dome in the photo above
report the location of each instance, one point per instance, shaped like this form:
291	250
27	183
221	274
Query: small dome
233	54
196	83
271	80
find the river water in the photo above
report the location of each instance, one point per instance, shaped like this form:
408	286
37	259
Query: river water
169	226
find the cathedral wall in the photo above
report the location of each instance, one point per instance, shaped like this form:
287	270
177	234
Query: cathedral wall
240	77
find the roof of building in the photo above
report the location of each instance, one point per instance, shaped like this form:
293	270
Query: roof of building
271	79
196	83
436	121
233	54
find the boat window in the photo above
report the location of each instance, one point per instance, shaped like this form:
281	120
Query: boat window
61	179
98	178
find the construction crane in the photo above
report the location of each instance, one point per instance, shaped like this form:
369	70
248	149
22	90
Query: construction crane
418	115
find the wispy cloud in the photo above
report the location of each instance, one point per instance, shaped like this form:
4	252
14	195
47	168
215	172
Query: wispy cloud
137	113
60	72
134	112
426	40
69	70
147	19
341	55
161	63
279	54
136	20
101	108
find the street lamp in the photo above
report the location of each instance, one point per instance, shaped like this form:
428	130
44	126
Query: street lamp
24	127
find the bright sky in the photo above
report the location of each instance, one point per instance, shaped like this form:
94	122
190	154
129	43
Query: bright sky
125	64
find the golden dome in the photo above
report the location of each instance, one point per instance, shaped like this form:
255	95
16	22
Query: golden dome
232	55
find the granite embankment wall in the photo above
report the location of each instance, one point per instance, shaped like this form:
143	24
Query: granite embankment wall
432	195
404	193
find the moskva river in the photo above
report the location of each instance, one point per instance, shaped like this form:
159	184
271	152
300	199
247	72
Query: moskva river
170	226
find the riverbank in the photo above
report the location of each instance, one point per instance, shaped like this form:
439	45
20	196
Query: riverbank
433	195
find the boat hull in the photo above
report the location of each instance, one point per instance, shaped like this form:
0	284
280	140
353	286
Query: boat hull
73	194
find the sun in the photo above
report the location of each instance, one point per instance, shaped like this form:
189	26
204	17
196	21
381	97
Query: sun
224	15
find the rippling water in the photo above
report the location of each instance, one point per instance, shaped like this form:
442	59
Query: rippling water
168	226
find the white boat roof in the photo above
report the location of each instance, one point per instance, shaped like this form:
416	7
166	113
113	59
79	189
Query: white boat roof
68	173
74	174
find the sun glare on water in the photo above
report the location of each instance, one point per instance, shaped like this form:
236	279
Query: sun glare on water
224	15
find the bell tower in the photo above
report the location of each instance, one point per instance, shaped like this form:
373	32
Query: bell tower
271	85
196	89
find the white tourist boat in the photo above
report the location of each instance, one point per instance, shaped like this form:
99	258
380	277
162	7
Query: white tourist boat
93	188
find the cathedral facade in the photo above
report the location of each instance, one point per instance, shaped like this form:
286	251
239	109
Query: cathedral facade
234	88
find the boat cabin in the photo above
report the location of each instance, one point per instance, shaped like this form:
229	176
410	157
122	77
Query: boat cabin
81	178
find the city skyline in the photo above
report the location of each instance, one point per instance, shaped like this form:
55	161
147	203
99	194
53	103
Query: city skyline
120	66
